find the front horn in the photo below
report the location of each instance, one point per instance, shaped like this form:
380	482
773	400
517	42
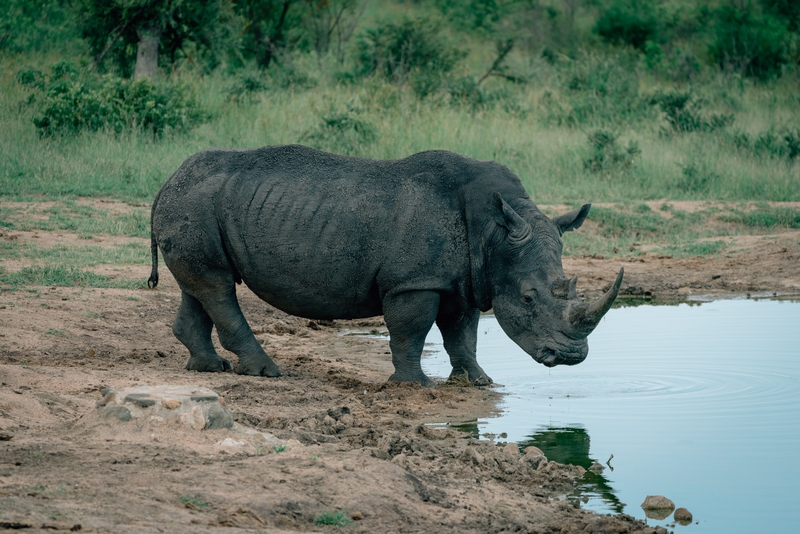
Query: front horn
583	319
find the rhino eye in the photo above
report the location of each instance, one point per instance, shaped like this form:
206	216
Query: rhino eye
528	296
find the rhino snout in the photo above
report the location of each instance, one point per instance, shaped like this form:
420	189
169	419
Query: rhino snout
551	355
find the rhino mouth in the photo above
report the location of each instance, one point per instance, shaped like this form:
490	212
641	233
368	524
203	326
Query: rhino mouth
551	355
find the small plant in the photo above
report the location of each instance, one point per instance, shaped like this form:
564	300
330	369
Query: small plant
607	155
194	503
279	448
684	113
342	131
696	178
336	519
54	332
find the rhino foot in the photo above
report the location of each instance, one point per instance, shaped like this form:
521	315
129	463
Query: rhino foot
419	378
476	377
208	364
258	367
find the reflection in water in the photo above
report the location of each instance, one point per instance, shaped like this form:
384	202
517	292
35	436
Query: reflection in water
570	445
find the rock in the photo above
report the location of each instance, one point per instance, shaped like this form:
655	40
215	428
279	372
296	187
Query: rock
5	436
120	412
597	467
532	451
170	404
194	406
512	449
683	516
356	516
657	507
194	418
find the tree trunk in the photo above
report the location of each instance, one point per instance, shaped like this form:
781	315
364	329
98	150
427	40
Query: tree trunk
147	54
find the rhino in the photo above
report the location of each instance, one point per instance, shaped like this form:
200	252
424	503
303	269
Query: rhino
434	237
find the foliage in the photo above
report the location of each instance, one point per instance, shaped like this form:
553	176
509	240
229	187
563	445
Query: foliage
684	113
270	27
751	42
68	101
344	132
773	143
35	26
599	89
607	156
412	50
195	31
628	22
336	519
696	178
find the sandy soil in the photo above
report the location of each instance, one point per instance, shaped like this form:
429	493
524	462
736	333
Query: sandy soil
355	443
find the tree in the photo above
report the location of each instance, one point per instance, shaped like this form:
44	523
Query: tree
265	27
132	34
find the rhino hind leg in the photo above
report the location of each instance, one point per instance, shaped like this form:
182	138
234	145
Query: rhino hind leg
409	317
460	336
236	336
192	327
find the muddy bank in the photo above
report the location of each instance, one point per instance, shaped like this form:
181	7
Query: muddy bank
351	446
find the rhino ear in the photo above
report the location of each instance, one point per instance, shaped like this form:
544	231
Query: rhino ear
572	220
518	228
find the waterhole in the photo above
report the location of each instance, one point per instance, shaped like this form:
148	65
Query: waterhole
699	402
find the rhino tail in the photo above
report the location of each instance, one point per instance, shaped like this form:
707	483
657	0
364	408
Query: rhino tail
152	282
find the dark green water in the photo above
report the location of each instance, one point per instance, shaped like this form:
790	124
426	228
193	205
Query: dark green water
699	403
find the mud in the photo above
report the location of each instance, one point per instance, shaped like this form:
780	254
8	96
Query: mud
339	439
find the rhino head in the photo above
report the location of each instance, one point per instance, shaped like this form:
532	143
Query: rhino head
535	303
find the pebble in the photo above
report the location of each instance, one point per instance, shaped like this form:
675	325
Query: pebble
683	516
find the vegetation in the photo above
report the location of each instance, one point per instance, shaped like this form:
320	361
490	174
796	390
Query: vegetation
614	101
334	518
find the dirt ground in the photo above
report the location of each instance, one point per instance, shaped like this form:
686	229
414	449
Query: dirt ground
354	444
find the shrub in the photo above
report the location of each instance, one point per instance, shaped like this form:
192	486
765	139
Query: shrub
631	23
751	42
337	519
69	102
607	155
410	48
344	132
695	178
600	89
781	143
684	113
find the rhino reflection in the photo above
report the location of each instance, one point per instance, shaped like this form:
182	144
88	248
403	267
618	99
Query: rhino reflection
570	445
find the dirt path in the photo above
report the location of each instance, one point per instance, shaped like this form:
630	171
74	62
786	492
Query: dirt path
356	445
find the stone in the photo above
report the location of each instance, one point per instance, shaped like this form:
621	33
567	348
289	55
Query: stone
532	451
657	507
512	449
170	404
356	516
597	467
194	406
194	418
218	417
120	412
683	516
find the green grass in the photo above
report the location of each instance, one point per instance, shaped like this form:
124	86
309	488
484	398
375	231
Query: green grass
69	216
82	256
334	518
64	276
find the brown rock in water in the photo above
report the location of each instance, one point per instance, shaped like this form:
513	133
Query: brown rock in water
657	507
683	516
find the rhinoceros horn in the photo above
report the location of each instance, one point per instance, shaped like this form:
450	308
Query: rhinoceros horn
584	318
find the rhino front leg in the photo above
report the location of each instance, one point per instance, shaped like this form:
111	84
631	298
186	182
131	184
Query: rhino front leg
460	335
192	327
409	317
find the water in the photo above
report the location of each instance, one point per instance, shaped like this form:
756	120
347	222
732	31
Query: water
697	402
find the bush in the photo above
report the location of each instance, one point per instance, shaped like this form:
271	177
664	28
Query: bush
599	89
342	132
750	42
684	113
781	143
410	50
607	155
70	102
630	23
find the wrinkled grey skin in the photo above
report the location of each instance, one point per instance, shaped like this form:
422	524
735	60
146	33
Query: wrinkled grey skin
435	237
